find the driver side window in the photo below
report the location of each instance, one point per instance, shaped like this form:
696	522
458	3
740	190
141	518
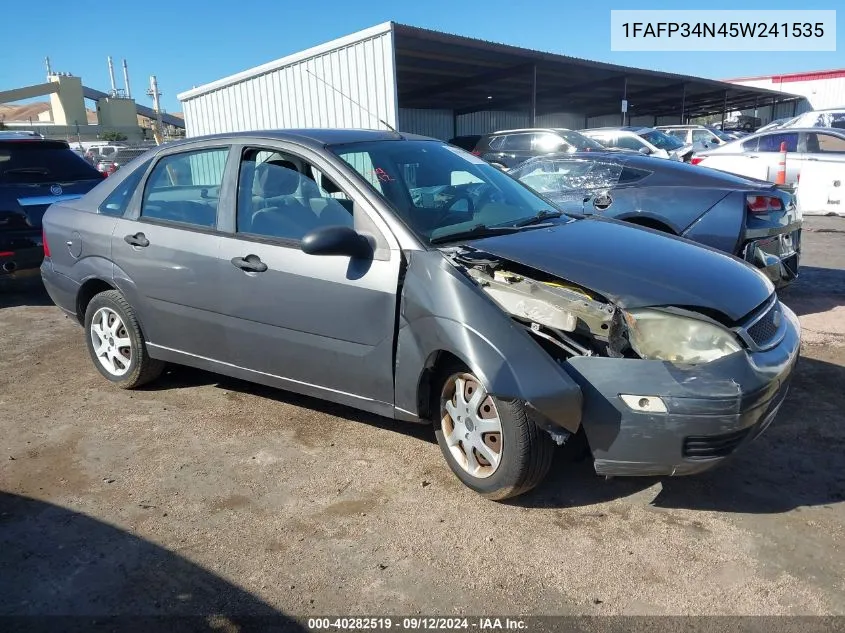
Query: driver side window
283	197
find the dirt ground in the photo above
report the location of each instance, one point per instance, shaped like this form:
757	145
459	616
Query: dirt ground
208	495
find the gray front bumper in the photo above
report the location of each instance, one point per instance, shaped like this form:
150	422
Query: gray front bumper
712	409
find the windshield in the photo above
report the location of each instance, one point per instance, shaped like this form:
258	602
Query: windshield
440	190
661	140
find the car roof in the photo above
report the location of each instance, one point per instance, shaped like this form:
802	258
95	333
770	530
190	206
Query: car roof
314	137
531	129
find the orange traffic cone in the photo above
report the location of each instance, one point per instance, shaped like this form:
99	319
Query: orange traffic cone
780	179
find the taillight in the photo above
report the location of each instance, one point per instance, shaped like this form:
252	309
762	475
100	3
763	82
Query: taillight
104	174
475	152
44	243
695	160
763	204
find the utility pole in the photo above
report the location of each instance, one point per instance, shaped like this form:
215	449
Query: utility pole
158	129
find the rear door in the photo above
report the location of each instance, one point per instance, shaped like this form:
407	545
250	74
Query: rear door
823	147
323	325
166	251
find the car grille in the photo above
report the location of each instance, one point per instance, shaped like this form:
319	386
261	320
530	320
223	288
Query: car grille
710	446
766	328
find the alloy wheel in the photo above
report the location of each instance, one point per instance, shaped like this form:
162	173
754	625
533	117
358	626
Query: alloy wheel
111	343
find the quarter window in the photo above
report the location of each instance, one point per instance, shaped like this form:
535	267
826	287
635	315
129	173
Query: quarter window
283	197
118	200
185	188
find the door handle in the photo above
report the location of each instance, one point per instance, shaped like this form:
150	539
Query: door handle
139	239
812	159
250	263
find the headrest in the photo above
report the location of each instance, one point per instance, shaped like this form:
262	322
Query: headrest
276	177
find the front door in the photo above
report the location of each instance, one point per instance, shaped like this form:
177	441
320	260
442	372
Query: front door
317	324
166	253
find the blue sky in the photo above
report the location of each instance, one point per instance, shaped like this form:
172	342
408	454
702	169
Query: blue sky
188	43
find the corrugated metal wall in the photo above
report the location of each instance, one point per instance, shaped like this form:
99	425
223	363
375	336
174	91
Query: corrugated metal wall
435	123
287	96
490	121
569	120
438	123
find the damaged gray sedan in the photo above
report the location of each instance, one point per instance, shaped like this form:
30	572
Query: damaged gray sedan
405	277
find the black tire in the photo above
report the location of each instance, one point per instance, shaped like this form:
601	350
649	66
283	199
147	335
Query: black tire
527	450
141	368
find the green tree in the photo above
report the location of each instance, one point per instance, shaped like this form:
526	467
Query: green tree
111	135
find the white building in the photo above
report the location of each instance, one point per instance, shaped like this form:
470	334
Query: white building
822	89
443	85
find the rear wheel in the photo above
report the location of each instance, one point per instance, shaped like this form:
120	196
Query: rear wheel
491	444
115	342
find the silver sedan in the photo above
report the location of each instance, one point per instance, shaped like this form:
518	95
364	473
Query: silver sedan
759	154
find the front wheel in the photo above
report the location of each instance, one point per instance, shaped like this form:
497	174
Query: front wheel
115	342
491	444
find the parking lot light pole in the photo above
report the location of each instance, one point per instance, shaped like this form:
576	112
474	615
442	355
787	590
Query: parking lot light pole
624	98
533	95
683	103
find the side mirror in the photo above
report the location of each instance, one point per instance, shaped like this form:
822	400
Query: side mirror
645	151
336	240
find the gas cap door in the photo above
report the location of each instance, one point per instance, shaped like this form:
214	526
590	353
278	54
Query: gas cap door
74	245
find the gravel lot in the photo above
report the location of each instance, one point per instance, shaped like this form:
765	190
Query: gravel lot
203	494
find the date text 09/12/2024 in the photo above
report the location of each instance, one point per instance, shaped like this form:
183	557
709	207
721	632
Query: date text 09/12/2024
418	623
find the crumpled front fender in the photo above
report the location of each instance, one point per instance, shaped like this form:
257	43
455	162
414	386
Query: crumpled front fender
443	310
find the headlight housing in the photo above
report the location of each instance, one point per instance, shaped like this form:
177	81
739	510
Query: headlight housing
660	335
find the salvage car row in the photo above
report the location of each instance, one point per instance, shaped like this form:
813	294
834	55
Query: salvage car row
470	300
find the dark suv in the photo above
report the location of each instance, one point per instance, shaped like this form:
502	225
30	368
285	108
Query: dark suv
509	148
34	173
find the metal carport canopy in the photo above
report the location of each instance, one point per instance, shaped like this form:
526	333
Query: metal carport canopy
437	70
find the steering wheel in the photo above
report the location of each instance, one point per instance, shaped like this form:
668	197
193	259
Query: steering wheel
457	196
487	193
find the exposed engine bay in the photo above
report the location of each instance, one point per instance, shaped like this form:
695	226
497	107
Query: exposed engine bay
566	319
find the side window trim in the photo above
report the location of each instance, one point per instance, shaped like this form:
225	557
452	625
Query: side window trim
224	197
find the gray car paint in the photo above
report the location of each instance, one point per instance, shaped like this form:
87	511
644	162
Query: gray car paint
440	311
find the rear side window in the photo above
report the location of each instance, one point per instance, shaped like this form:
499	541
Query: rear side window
703	136
771	142
118	200
517	142
35	162
629	142
185	188
679	134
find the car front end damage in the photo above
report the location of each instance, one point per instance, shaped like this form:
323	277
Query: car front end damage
666	390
